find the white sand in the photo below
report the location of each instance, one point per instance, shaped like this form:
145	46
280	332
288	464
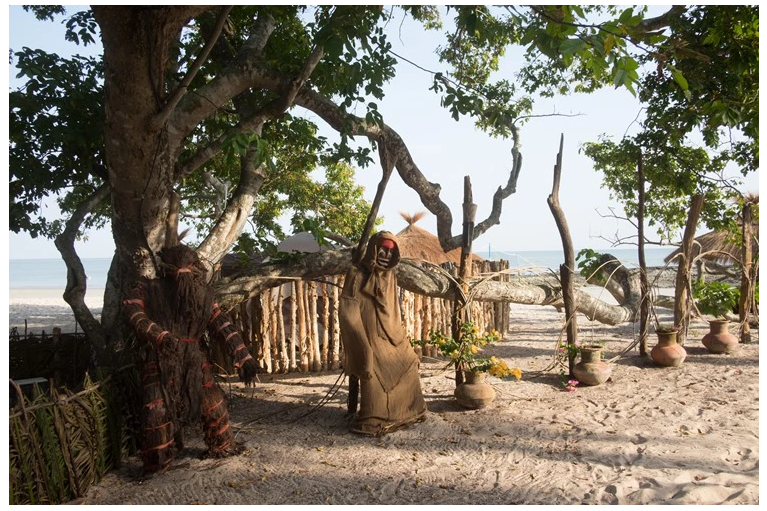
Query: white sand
650	435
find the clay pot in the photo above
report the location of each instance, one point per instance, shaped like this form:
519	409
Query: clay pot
418	351
667	352
474	392
591	370
428	350
719	339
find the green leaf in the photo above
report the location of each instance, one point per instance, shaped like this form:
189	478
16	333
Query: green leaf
680	79
570	46
334	46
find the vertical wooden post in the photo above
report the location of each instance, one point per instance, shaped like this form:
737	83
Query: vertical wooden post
681	293
417	316
316	357
746	279
462	314
266	301
293	325
335	346
281	330
325	327
303	345
274	329
567	270
644	295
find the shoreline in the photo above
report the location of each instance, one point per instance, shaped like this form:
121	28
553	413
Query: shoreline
45	308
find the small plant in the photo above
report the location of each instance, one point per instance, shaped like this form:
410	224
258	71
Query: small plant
463	352
716	298
589	265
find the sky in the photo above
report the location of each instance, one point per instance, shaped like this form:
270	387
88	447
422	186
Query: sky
446	151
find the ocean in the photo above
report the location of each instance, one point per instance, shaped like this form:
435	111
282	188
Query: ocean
52	273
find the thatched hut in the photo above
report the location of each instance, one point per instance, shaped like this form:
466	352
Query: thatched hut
719	247
417	243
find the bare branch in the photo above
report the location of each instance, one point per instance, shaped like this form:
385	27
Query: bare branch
74	294
237	77
174	99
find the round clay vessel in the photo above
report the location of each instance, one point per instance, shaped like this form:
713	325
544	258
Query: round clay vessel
418	351
591	370
719	339
667	352
474	393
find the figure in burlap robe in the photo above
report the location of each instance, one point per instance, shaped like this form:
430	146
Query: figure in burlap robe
375	347
170	315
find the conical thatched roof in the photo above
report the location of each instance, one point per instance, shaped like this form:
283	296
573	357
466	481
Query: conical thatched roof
417	243
718	246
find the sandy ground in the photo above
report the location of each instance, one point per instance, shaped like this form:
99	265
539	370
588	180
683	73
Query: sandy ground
650	435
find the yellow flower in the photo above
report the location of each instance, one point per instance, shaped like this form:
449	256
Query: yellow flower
474	349
516	373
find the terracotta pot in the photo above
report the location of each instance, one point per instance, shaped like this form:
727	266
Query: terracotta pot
667	352
428	350
474	392
719	339
418	351
591	370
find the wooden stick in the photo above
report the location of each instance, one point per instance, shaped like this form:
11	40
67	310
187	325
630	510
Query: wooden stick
567	270
284	361
325	327
336	346
293	324
316	358
302	334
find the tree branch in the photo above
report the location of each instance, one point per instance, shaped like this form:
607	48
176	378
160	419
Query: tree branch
237	77
407	168
74	293
427	279
174	99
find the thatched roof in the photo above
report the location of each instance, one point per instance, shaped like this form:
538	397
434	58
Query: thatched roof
718	246
417	243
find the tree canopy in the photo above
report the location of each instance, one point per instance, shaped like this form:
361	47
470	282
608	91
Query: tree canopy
218	105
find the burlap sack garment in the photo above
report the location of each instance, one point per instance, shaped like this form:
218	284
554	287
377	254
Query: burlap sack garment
376	349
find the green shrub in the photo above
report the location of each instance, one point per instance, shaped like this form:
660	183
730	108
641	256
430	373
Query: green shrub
716	298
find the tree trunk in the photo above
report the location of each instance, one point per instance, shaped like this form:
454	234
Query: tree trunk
746	286
567	270
460	312
644	313
683	281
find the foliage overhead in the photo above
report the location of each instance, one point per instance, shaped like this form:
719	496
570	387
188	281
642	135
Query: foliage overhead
57	120
704	79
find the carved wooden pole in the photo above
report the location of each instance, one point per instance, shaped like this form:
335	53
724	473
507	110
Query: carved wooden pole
681	294
460	311
746	282
566	270
644	314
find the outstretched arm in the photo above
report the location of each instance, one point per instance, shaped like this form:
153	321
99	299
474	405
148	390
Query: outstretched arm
134	310
223	331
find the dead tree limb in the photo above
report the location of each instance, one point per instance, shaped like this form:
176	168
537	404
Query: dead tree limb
566	270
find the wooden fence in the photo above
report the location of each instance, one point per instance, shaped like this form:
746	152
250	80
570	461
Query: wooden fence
294	327
61	444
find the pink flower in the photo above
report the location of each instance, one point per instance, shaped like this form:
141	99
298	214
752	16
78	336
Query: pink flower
573	383
577	342
570	389
561	349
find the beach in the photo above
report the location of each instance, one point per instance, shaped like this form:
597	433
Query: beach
45	308
649	435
